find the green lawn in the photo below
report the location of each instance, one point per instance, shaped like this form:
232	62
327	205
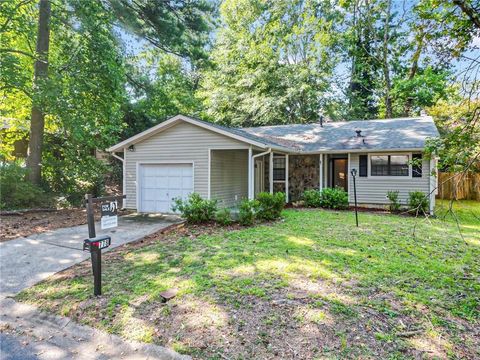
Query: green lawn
310	286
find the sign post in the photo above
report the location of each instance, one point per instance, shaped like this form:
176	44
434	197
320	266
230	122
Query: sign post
354	175
94	244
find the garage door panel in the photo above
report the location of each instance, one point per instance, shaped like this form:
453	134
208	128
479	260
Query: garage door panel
160	183
187	182
176	194
175	182
150	182
175	171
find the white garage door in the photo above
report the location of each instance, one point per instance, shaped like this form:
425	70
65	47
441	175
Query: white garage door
160	183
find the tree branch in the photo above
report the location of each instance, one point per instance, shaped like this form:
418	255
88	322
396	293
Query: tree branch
468	10
17	52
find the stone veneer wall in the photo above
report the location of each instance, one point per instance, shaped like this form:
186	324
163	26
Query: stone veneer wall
303	173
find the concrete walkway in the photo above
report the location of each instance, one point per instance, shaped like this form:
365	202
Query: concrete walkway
26	332
26	261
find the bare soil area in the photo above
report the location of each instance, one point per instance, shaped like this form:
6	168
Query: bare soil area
34	222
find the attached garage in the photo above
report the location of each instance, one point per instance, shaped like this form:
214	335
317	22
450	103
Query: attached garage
159	184
184	155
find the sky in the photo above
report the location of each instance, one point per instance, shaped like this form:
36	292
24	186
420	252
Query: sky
462	68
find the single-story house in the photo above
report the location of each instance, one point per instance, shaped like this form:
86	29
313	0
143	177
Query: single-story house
183	155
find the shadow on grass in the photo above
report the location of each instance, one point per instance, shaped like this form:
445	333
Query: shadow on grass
312	285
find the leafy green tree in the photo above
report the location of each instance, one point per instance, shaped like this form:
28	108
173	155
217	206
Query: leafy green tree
79	102
162	85
87	90
272	62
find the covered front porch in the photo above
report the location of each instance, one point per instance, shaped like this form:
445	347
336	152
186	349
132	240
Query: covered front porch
273	172
237	174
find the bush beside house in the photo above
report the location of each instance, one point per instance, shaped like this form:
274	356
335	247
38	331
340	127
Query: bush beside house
418	203
327	198
265	207
195	209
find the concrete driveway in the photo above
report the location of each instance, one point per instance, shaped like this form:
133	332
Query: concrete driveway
26	261
28	333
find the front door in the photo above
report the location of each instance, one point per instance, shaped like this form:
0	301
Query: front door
340	173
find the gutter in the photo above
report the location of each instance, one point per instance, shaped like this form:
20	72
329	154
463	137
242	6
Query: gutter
117	157
262	154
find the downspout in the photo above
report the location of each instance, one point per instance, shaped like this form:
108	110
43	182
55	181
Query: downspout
124	180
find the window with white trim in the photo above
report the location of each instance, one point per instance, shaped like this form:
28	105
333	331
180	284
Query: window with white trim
279	168
389	165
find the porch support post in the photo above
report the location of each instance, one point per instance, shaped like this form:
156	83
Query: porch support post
209	173
286	178
348	177
432	176
320	175
250	174
270	172
124	174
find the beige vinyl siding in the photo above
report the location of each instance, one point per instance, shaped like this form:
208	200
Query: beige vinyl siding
373	190
183	142
229	176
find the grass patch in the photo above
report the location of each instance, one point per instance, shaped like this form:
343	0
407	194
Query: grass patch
311	284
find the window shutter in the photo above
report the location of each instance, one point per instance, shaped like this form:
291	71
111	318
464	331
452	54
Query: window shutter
417	168
363	165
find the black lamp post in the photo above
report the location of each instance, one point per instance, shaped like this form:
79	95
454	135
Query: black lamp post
354	175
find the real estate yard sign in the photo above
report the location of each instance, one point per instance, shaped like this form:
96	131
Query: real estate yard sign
109	217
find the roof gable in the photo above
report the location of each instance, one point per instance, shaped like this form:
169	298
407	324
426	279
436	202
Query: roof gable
236	134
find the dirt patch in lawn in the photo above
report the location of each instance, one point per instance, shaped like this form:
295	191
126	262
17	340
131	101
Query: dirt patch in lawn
34	222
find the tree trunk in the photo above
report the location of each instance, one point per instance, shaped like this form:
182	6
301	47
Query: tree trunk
386	67
413	71
37	123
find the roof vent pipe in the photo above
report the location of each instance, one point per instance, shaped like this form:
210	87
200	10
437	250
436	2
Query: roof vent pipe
359	132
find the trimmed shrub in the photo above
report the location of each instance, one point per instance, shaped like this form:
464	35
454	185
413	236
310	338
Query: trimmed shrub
334	198
195	209
394	205
270	206
247	212
223	217
18	193
417	202
312	198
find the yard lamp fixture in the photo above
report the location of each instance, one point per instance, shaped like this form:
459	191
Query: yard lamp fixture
354	175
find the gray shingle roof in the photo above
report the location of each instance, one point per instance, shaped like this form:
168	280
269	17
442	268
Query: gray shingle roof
387	134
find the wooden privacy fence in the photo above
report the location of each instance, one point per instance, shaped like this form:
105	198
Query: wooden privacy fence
459	186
